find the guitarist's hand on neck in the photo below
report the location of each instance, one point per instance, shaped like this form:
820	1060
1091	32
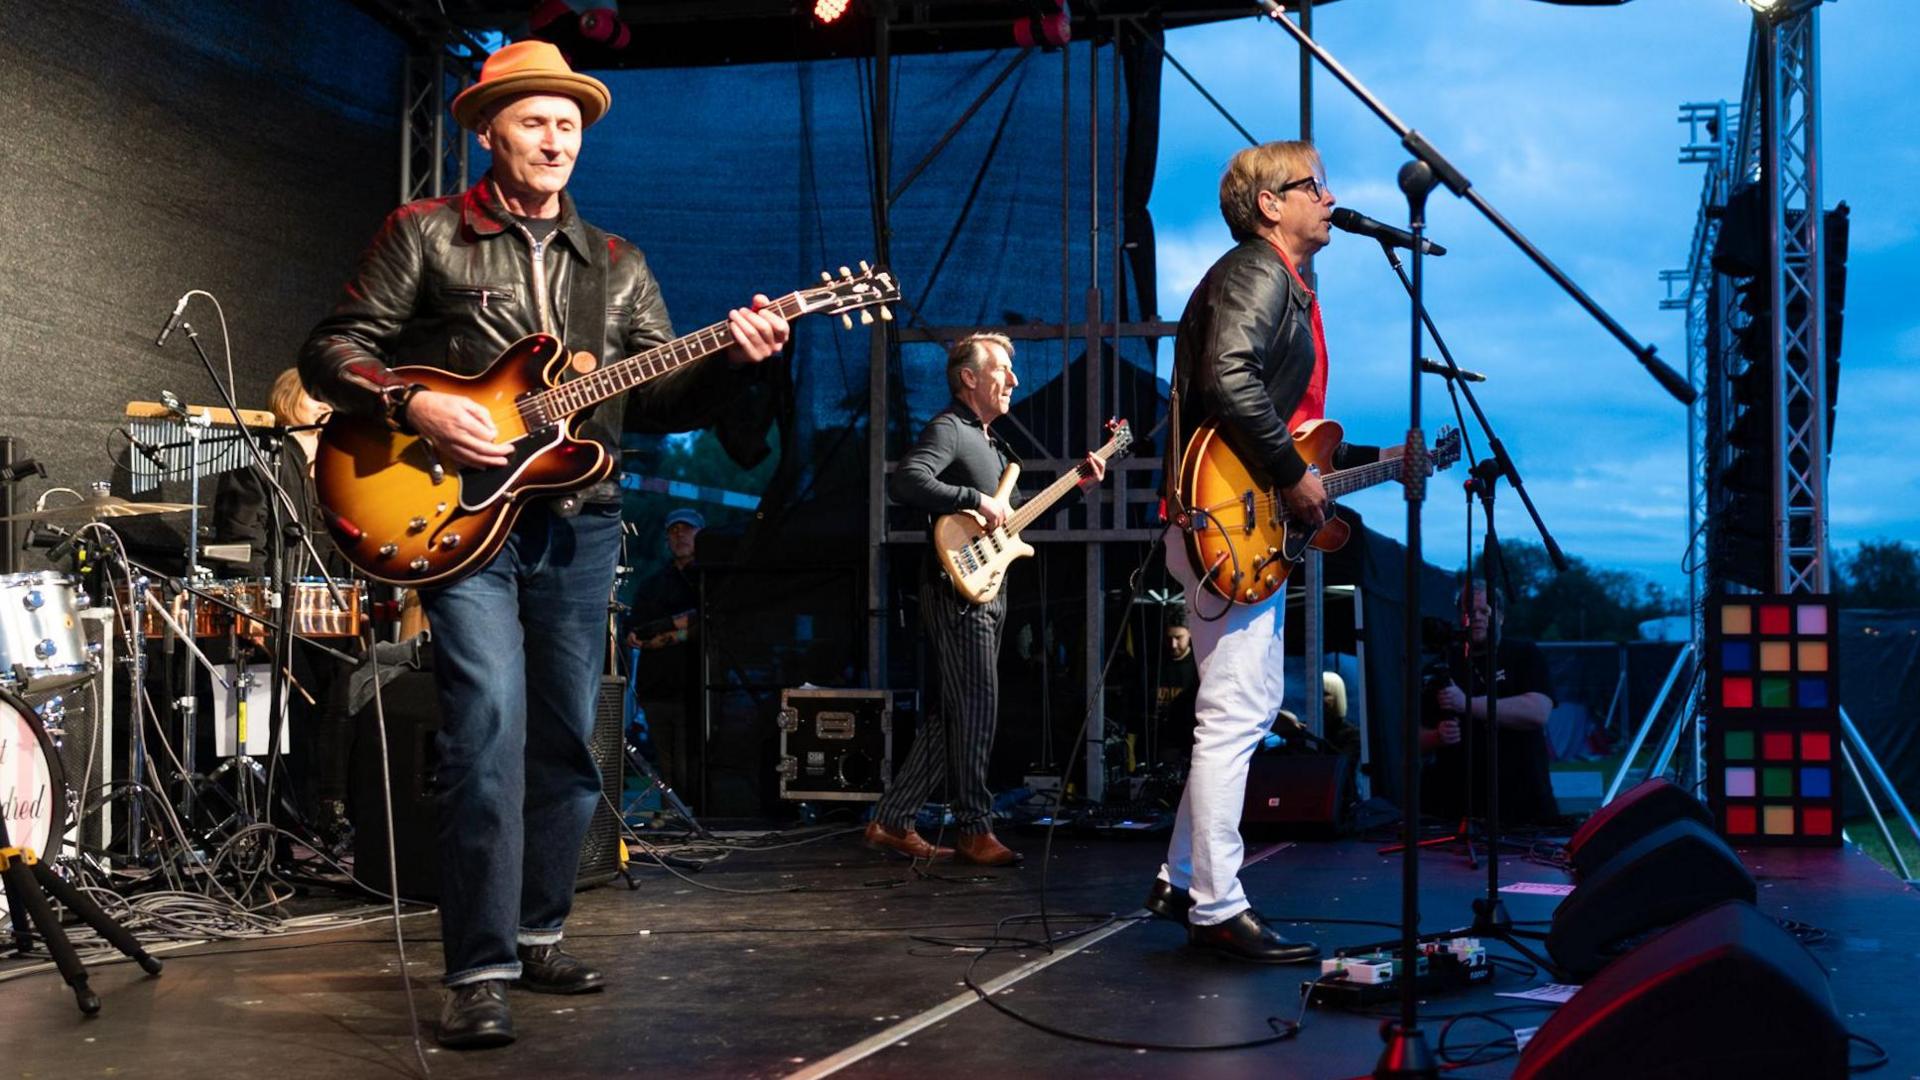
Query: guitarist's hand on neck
994	511
1307	500
460	430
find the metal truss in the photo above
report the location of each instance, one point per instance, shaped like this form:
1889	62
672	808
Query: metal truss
433	149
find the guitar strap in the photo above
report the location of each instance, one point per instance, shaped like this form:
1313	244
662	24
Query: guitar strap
587	309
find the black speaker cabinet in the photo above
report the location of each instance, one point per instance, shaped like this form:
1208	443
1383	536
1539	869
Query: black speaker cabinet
413	721
1724	994
1673	872
1296	795
1638	811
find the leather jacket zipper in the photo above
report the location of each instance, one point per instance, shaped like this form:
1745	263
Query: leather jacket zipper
540	280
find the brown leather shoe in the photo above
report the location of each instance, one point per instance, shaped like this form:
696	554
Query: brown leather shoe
905	841
984	849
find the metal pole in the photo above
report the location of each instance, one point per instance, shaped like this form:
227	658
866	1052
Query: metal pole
1653	714
1092	652
877	391
10	558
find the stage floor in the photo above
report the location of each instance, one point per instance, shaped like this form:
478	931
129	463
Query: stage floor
752	984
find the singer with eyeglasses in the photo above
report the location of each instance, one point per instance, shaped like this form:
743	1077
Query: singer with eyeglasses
1251	355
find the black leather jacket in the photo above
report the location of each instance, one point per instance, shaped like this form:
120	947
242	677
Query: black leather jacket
1244	356
450	282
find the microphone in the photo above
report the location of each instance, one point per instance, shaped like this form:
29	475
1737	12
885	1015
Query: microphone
1434	367
1359	224
173	321
152	452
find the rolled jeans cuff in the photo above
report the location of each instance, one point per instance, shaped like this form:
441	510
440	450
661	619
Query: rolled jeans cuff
538	937
509	972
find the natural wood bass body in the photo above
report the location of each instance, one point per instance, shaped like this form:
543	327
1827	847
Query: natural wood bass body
975	557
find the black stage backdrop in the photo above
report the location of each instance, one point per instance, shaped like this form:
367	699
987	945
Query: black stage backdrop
244	148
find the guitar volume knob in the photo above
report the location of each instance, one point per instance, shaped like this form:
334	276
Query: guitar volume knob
419	564
417	524
450	541
388	551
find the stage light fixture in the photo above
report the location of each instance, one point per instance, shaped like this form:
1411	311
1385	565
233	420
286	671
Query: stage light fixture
827	11
1779	9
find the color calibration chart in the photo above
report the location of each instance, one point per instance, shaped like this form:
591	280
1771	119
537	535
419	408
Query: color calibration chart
1773	711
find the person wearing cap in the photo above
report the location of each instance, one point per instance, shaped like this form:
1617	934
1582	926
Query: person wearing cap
451	282
663	625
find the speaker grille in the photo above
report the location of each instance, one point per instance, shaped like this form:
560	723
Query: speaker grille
600	851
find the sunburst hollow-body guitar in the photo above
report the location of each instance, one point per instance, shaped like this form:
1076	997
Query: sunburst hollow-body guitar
402	516
1241	540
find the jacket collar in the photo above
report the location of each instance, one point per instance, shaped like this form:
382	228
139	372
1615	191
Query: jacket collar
480	211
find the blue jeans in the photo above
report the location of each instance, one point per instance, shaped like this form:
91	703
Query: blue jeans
518	649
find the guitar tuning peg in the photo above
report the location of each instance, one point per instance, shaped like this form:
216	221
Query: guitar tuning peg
846	273
886	313
866	317
846	321
826	277
864	268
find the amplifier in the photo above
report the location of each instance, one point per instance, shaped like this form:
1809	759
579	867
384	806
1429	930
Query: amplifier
835	744
413	721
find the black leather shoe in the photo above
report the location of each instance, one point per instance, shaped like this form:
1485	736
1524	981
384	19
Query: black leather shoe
1169	901
476	1017
544	969
1247	936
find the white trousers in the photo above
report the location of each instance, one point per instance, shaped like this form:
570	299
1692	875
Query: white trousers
1239	658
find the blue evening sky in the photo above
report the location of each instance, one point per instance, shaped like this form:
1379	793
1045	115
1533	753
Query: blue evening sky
1565	120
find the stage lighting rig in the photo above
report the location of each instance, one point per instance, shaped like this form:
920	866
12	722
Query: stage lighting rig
1780	9
828	11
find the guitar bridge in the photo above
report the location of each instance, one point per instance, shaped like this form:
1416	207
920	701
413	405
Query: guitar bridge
1246	505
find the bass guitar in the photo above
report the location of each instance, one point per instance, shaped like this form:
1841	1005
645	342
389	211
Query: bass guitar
400	516
976	557
1240	539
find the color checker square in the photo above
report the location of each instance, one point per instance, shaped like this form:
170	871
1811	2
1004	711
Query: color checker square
1810	692
1816	821
1816	782
1776	783
1736	693
1811	619
1776	656
1776	620
1814	746
1740	783
1812	655
1776	692
1776	820
1742	821
1777	746
1739	746
1736	620
1736	655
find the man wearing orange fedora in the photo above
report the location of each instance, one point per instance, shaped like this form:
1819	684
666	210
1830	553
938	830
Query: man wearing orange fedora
451	282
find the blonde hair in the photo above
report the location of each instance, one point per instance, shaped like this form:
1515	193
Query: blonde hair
284	398
969	353
1267	167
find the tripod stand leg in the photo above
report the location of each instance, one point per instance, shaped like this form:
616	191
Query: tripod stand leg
103	924
24	889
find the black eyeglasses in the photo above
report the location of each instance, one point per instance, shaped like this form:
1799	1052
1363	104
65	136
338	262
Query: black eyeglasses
1311	185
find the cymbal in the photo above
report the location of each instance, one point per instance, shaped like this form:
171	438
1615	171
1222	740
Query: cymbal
98	508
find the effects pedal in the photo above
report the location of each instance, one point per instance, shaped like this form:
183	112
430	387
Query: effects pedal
1360	980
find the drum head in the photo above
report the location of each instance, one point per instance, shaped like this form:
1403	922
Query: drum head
33	789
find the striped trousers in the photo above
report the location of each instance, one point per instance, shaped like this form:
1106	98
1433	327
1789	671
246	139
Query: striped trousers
954	741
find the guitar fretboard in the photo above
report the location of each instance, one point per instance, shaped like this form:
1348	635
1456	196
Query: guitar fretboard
621	376
1050	494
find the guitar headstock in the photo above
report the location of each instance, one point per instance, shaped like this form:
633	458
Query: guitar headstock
1119	436
1446	448
848	293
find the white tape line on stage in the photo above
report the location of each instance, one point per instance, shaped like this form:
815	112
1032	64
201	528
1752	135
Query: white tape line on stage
873	1044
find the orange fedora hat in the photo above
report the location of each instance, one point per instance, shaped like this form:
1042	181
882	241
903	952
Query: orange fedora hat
530	67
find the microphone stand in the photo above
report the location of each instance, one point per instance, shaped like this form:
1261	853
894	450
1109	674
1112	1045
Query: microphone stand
1445	172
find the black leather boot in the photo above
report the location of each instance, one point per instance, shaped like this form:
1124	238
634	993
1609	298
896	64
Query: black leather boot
1247	936
476	1017
544	969
1169	901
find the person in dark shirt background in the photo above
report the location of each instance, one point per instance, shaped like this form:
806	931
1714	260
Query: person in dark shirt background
1455	729
664	627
